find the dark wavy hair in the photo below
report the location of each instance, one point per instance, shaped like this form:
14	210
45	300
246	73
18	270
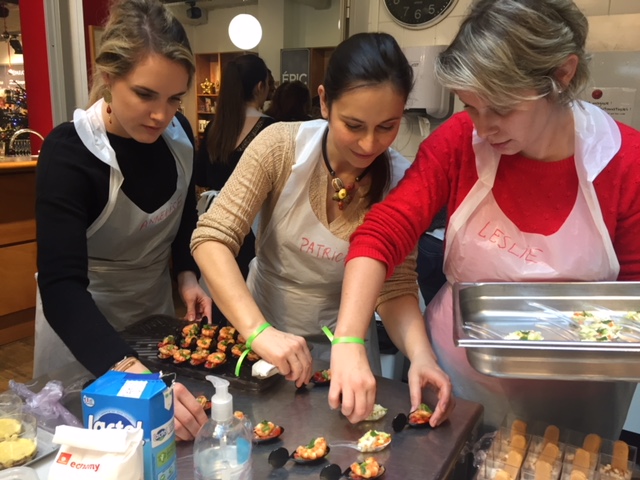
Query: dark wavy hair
365	60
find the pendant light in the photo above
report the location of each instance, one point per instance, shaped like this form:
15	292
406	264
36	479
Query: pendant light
245	31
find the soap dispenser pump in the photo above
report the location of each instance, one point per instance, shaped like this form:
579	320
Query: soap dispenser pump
222	448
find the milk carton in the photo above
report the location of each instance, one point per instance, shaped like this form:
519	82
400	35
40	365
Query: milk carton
129	400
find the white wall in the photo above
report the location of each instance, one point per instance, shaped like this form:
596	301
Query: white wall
613	24
309	27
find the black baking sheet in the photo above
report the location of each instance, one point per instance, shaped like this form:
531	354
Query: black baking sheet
144	336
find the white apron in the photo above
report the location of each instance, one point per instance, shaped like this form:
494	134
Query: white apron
296	277
484	245
128	249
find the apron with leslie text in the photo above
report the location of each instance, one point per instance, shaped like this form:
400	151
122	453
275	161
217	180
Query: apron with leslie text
483	245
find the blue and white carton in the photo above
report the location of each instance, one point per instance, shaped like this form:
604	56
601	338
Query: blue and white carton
123	400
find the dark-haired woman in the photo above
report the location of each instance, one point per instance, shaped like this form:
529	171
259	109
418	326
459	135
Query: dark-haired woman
238	120
291	102
312	183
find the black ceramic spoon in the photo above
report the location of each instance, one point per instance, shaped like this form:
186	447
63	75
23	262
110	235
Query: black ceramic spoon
277	431
401	420
334	472
280	456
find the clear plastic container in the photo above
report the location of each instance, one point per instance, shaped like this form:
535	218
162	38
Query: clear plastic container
538	450
492	467
10	404
607	471
18	473
506	454
570	456
18	439
608	447
568	473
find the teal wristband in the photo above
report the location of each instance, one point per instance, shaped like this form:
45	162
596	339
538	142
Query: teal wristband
337	340
250	340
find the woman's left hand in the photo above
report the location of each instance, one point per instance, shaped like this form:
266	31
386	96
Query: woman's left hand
198	303
424	371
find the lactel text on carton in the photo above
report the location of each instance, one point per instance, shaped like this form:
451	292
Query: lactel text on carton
121	400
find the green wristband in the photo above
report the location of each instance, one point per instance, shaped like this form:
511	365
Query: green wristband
250	340
328	333
257	332
337	340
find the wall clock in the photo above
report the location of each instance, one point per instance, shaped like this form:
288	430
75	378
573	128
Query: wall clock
418	14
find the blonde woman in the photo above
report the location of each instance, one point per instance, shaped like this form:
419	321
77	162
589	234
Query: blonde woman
116	202
539	186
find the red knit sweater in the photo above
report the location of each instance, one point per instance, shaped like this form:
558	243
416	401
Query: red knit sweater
536	196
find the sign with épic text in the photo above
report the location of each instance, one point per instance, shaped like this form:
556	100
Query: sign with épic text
295	65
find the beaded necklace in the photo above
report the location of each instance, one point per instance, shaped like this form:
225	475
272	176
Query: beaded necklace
343	193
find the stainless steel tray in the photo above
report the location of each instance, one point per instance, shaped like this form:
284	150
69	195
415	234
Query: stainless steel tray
506	307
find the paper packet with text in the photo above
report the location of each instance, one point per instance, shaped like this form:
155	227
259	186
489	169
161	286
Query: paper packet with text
97	454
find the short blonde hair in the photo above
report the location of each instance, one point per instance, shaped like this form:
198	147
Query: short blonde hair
135	29
507	47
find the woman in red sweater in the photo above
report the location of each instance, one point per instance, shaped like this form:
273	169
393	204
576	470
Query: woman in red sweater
539	187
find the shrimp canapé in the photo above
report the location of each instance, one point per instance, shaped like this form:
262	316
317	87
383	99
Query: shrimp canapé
316	449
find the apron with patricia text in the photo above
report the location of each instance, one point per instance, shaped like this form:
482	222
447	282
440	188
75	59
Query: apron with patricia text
128	249
296	277
483	245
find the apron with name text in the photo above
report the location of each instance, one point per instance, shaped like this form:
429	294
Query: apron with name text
128	249
296	278
483	245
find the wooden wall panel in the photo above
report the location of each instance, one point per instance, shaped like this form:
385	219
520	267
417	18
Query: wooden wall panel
17	282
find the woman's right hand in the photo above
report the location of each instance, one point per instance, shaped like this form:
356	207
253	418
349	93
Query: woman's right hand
288	352
353	386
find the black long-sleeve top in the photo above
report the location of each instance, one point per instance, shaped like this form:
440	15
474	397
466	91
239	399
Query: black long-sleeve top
215	175
72	189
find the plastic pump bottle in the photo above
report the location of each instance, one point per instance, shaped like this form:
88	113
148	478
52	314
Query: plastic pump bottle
222	448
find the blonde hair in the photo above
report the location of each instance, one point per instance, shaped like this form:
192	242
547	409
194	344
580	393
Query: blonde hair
506	47
135	29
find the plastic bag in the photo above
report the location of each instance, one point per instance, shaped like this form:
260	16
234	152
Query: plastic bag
481	447
45	405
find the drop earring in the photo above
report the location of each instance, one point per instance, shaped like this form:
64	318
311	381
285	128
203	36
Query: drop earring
107	98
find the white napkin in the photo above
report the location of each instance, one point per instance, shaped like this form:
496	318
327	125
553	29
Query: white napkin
263	369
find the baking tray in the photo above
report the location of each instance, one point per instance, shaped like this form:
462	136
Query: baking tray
506	307
144	335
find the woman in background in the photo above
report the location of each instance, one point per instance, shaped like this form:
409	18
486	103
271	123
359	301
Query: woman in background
238	120
115	204
312	184
539	186
291	102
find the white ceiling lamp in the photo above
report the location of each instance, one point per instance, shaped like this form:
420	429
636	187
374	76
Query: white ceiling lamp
245	31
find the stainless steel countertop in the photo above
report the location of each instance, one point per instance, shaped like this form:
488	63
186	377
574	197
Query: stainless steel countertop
427	454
